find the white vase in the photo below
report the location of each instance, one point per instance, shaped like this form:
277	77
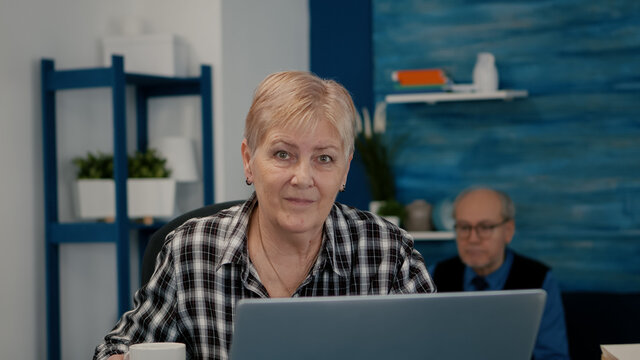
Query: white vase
485	73
418	216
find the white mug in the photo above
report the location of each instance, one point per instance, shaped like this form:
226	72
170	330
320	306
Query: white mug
156	351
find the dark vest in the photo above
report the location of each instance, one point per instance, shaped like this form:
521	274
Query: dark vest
525	273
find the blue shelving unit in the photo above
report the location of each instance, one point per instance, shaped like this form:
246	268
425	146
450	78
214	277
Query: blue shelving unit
56	233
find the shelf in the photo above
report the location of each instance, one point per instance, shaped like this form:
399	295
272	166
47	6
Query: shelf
146	87
432	235
103	77
434	97
92	232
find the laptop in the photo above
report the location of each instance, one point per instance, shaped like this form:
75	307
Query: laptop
496	325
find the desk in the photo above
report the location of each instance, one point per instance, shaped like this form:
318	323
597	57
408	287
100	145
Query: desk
620	352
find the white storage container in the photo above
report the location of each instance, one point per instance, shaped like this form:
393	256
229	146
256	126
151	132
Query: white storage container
156	54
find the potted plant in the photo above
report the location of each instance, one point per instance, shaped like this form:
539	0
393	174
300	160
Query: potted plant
95	188
393	211
150	191
376	156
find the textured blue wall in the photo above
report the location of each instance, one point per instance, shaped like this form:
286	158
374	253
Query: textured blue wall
569	155
340	49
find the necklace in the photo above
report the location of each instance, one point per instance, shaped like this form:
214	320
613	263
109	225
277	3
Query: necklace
266	255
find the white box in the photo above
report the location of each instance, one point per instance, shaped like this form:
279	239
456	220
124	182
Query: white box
157	54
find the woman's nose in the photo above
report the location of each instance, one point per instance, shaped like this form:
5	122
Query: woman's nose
302	174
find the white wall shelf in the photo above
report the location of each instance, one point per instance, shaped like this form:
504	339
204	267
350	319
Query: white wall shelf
435	97
432	235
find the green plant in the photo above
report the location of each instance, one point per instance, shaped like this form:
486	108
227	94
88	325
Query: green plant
376	154
393	208
147	164
98	166
375	158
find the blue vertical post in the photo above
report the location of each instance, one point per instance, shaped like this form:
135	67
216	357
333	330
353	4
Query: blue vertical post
142	143
142	116
206	95
52	265
120	173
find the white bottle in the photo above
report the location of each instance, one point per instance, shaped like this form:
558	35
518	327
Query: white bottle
485	73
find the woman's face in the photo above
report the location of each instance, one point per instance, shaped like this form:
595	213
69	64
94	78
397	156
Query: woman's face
297	175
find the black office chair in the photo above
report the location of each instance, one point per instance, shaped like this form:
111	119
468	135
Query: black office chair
157	239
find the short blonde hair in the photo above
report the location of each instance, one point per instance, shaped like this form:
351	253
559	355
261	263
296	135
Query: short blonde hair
296	100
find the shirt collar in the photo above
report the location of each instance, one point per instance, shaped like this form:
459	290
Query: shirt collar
496	279
336	245
235	251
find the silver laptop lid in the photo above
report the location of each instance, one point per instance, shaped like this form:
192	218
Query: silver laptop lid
496	325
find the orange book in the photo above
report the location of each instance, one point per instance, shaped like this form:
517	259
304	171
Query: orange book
420	77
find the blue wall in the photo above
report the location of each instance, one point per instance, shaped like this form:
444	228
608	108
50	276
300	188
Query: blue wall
569	154
340	49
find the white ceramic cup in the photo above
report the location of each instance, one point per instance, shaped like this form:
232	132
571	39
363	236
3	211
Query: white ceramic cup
156	351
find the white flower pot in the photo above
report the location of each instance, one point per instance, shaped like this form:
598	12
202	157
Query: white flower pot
95	198
151	197
375	205
146	198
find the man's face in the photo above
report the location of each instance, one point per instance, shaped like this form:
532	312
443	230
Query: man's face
481	231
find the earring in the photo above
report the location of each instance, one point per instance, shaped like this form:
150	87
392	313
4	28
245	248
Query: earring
248	182
343	188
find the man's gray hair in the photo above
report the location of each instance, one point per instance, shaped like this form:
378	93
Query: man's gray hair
508	209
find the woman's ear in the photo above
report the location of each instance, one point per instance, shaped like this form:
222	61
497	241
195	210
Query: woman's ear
246	160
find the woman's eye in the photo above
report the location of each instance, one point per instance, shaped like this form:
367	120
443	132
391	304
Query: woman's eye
325	158
282	155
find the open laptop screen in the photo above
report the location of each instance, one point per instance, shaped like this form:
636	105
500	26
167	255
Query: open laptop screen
496	325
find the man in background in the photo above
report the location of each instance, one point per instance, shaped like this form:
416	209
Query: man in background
484	226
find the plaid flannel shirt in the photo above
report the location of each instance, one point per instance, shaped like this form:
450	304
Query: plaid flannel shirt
204	269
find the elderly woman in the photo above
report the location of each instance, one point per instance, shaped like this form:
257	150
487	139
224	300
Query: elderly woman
290	238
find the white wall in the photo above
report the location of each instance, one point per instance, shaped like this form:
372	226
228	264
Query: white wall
243	40
263	37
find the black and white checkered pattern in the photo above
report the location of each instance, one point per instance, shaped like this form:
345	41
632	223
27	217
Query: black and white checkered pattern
204	269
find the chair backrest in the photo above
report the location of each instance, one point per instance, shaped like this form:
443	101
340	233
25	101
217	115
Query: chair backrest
157	238
596	318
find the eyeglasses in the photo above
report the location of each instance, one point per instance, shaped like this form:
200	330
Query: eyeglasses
483	230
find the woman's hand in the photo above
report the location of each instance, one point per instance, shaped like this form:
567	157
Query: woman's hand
116	357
